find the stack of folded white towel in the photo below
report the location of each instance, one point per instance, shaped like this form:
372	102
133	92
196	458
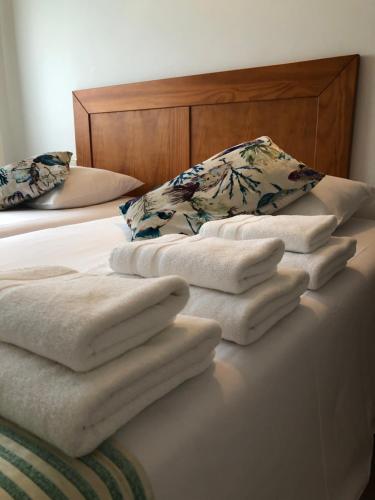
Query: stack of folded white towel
234	282
81	354
308	241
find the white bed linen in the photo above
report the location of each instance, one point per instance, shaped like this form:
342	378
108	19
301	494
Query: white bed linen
25	220
289	417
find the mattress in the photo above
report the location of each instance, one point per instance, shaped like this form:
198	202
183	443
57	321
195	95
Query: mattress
289	417
25	220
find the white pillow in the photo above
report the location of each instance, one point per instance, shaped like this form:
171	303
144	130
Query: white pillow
333	195
367	211
86	186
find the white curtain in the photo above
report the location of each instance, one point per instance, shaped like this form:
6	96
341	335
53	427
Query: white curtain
3	93
12	139
2	158
3	115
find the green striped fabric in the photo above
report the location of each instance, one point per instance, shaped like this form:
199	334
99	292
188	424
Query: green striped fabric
31	469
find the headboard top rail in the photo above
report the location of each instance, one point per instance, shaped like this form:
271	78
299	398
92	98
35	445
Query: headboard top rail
292	80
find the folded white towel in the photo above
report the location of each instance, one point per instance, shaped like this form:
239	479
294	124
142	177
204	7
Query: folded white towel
300	233
245	318
84	320
324	263
230	266
77	411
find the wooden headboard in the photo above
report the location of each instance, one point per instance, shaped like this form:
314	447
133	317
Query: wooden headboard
156	129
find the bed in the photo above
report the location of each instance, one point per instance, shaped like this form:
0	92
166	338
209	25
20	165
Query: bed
25	220
291	416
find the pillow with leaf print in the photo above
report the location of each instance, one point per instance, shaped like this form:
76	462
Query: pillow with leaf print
255	177
29	179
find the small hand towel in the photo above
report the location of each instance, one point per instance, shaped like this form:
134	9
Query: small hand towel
229	266
324	263
300	233
245	318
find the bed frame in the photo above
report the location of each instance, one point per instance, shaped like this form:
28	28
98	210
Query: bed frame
156	129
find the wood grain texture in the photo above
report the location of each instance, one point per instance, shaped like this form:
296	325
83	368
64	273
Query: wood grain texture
82	134
335	122
300	79
290	122
152	145
155	130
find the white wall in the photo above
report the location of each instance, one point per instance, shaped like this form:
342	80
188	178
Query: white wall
72	44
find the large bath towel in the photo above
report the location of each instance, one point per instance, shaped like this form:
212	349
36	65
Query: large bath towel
245	318
230	266
324	263
77	411
300	233
83	320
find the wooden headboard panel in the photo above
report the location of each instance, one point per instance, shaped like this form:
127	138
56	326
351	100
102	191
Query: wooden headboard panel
156	129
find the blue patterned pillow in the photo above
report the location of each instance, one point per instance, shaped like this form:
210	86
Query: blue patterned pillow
255	177
29	179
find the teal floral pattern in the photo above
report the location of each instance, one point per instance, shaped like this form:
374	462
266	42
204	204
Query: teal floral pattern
255	177
29	179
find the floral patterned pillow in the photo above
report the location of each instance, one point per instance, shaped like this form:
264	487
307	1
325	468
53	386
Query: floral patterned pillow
29	179
255	177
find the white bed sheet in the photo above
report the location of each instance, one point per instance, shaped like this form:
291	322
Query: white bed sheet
287	418
25	220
